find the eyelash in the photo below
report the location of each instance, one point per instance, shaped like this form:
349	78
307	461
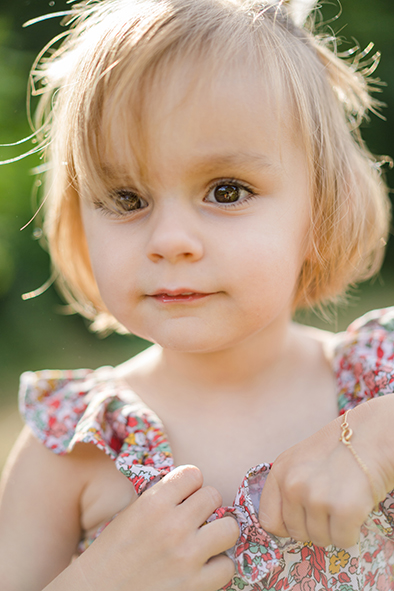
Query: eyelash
113	212
231	181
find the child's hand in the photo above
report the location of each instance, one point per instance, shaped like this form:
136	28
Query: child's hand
316	490
158	542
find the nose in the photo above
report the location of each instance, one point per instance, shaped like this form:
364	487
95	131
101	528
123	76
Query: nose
174	236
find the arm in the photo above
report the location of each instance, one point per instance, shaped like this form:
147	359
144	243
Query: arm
156	542
39	515
317	490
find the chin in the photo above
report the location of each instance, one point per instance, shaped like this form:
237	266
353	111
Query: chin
189	345
184	341
196	343
189	335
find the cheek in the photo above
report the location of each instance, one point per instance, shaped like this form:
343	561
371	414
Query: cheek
264	264
109	256
113	270
269	248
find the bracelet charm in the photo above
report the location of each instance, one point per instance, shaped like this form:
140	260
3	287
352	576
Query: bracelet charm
345	437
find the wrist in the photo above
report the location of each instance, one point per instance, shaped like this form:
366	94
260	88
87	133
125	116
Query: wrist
345	438
73	577
373	441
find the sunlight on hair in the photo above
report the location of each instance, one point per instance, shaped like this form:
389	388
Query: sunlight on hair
39	291
101	68
300	10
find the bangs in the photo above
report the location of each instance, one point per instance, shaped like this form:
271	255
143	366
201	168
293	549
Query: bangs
100	86
109	143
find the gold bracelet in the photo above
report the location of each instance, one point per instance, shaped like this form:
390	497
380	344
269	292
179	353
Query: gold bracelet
345	437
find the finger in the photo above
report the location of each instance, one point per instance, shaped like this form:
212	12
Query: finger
217	537
318	526
294	519
200	505
176	486
216	573
270	511
344	533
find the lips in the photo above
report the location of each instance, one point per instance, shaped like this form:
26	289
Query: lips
168	296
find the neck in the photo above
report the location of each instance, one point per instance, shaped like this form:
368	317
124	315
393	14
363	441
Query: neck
260	356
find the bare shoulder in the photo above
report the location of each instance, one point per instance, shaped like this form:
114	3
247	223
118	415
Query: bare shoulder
30	459
140	367
322	336
323	340
39	513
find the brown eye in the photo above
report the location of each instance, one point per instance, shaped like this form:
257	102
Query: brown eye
126	200
226	193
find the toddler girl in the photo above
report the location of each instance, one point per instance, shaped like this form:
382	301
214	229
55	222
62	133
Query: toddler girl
205	178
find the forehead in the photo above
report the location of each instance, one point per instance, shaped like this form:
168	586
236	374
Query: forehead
235	114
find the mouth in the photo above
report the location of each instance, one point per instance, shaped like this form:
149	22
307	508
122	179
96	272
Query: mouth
178	296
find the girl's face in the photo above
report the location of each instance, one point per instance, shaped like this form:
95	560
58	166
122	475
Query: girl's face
202	249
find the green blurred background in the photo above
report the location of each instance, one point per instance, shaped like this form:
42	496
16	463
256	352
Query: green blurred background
36	334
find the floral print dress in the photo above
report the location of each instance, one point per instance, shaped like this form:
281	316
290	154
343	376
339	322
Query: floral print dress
66	407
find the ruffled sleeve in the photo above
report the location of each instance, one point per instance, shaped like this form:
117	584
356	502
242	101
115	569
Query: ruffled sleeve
63	408
364	359
52	403
66	407
364	367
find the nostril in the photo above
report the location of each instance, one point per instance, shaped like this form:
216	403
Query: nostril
174	247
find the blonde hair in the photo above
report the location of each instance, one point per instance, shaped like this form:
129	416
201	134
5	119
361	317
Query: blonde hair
115	48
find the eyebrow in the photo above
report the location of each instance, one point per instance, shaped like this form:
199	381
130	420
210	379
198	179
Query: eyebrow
208	164
242	160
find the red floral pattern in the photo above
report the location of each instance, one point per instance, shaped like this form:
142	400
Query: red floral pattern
66	407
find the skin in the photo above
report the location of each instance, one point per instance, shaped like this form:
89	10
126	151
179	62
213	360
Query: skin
317	491
247	258
227	360
247	254
156	542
